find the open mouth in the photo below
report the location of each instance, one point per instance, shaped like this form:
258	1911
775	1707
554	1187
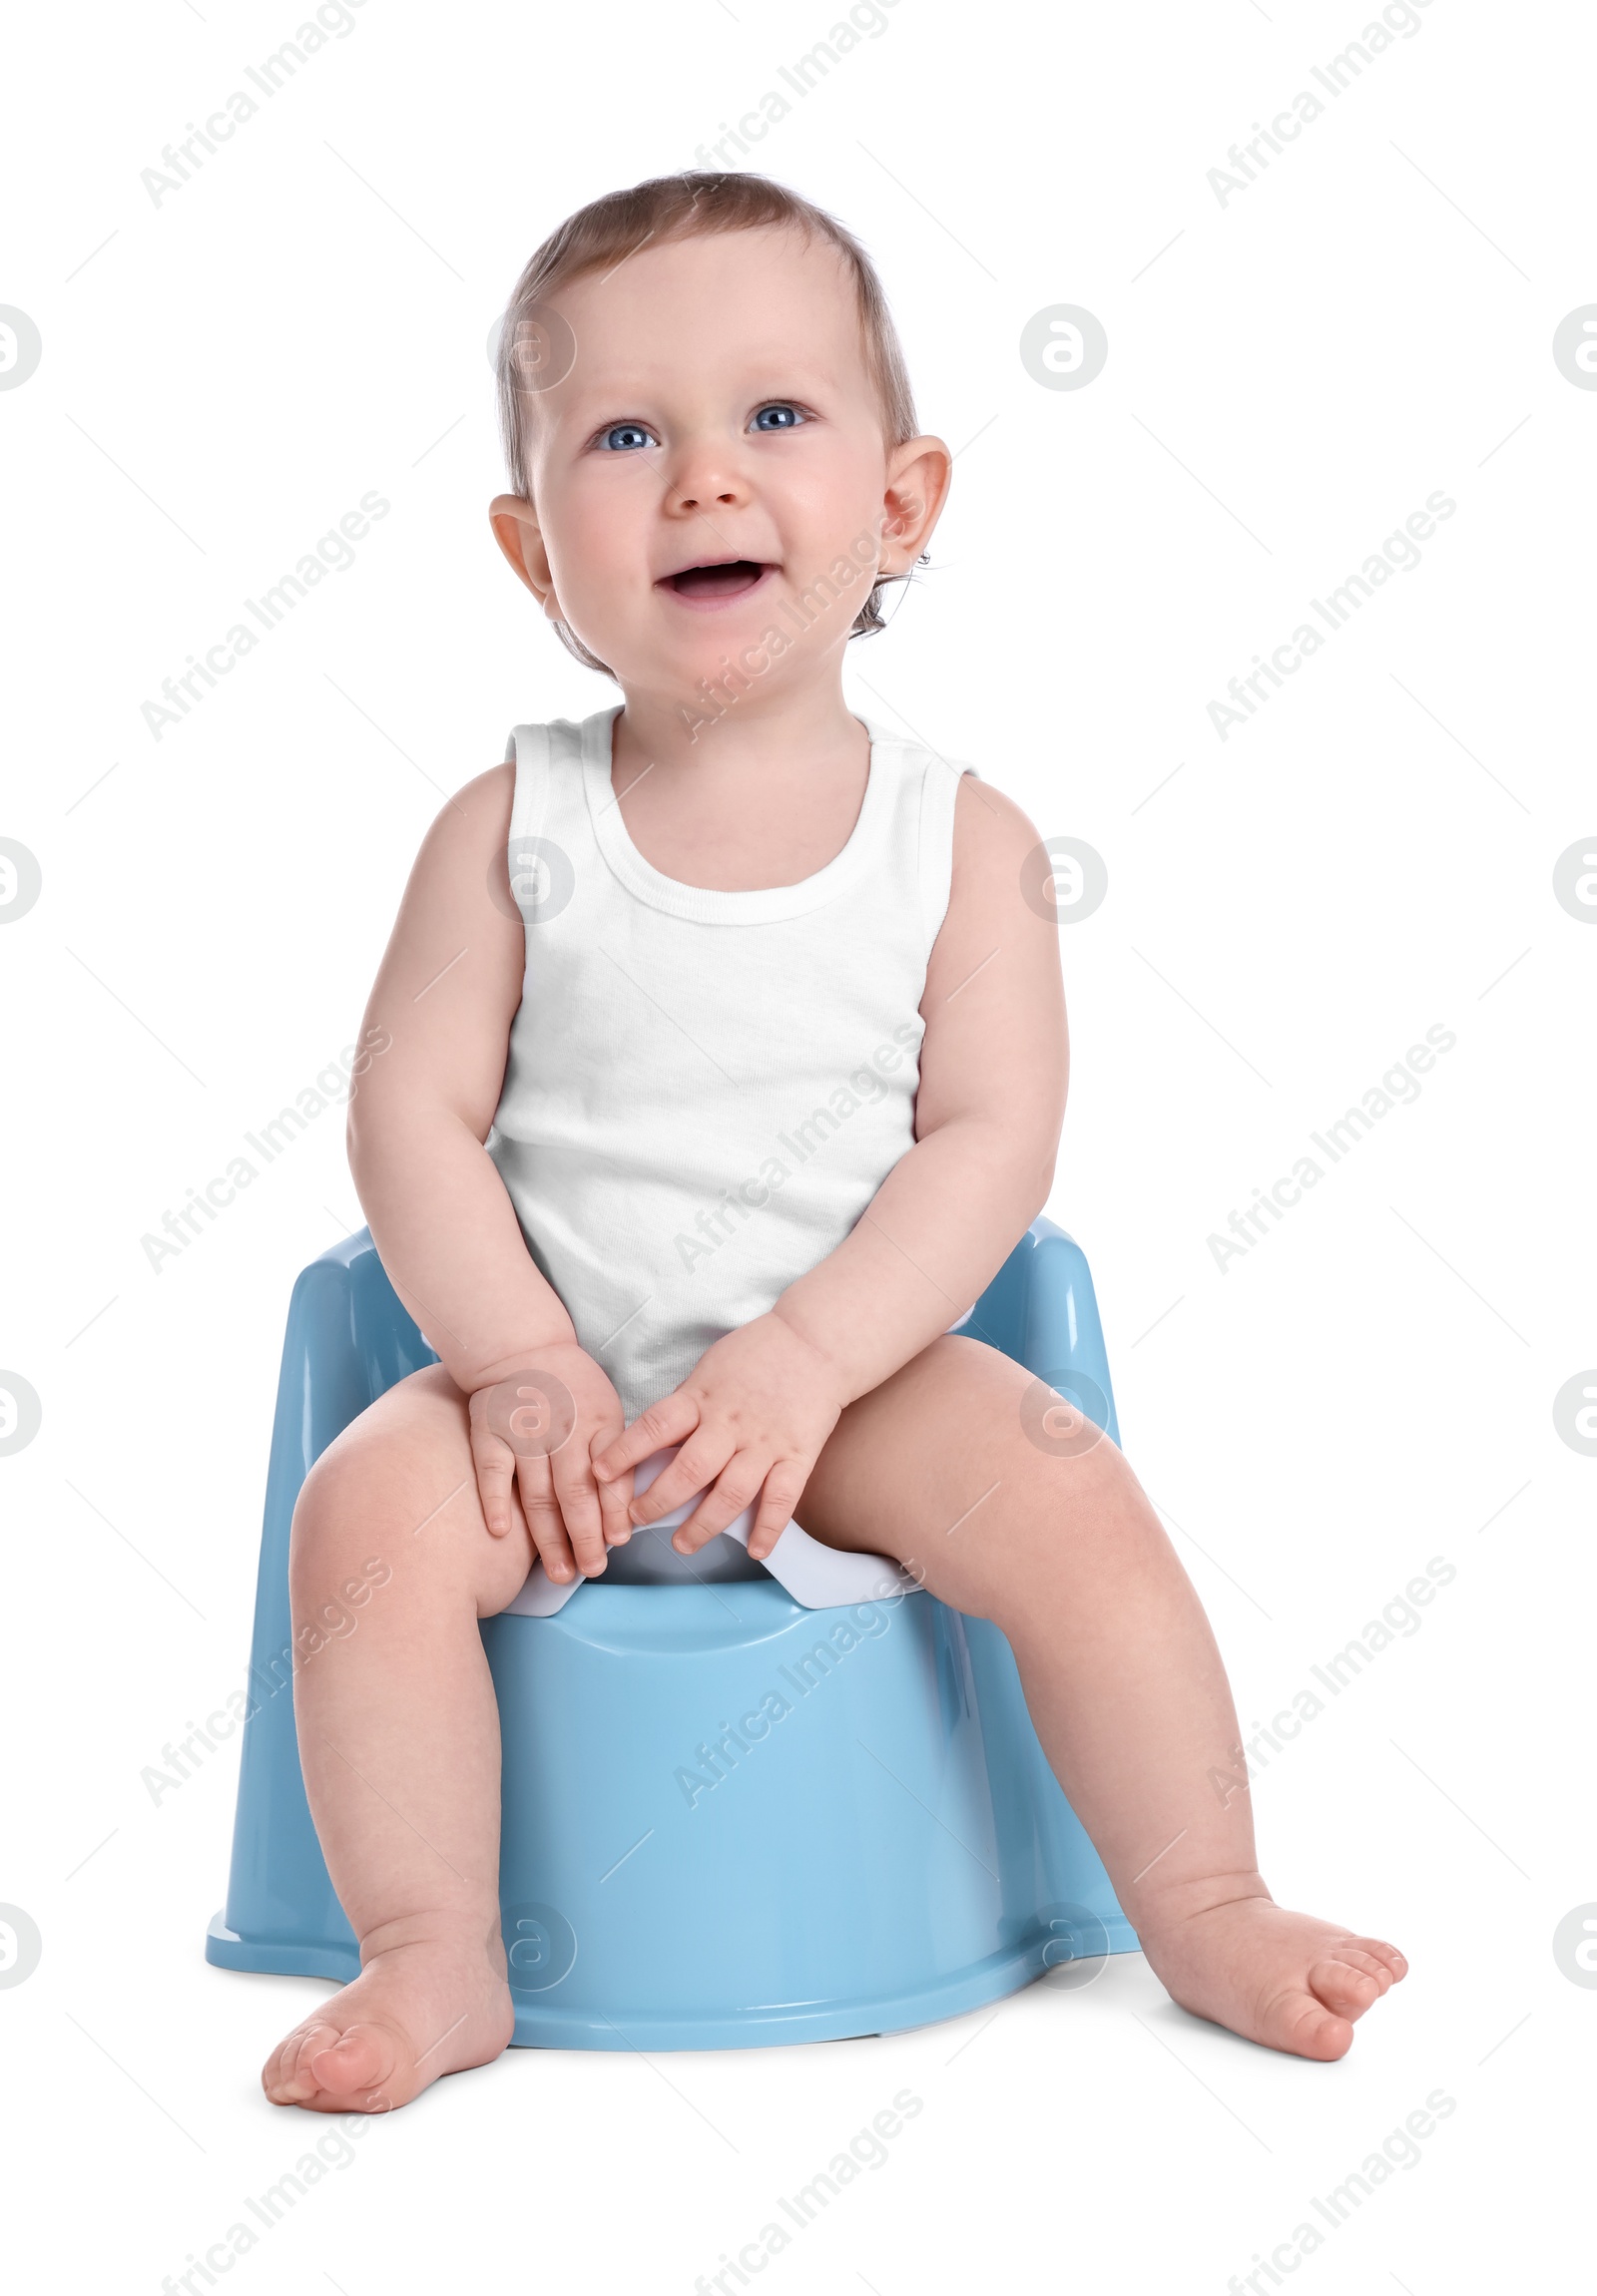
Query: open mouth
708	585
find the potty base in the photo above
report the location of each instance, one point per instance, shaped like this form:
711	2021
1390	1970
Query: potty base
539	2025
992	1980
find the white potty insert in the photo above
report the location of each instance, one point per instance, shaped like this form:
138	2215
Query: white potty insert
820	1578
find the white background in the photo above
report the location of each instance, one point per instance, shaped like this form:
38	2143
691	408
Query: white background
1290	375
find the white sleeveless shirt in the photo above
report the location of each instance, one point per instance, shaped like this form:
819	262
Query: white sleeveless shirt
705	1088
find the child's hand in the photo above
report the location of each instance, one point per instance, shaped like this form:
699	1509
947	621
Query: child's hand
752	1418
539	1428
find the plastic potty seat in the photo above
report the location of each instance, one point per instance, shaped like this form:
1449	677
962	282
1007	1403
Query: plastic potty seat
732	1816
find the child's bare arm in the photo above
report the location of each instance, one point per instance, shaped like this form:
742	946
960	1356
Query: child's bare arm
994	1067
445	995
758	1407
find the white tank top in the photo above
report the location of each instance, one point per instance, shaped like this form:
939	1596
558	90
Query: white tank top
703	1089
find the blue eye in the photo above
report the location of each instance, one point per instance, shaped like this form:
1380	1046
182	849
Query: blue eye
785	416
631	436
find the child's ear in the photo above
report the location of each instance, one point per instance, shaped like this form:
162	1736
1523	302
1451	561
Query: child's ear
519	536
918	476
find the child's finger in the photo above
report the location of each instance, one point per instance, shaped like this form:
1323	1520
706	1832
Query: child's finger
544	1521
495	1463
693	1469
669	1421
783	1490
735	1488
615	1498
578	1498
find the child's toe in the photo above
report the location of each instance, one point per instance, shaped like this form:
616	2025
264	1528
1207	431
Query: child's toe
1347	1986
1305	2027
1354	1954
285	2077
1387	1954
363	2058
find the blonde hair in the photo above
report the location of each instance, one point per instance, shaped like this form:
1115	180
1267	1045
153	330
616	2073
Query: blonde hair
667	208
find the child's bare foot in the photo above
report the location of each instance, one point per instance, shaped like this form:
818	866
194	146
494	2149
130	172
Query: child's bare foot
423	2004
1284	1979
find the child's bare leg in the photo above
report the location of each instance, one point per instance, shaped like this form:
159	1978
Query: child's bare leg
1125	1684
399	1743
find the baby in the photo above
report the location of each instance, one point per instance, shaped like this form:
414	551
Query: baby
628	964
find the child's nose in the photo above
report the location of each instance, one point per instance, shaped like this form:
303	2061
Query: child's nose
705	477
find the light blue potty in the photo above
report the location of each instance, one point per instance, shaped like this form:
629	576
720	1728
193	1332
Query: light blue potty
728	1820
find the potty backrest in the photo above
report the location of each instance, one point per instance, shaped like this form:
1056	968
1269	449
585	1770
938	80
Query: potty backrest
350	1339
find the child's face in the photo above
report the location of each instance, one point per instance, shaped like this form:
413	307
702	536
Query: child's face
719	409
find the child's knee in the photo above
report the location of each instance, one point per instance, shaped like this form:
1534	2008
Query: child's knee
1040	1436
376	1481
333	1524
